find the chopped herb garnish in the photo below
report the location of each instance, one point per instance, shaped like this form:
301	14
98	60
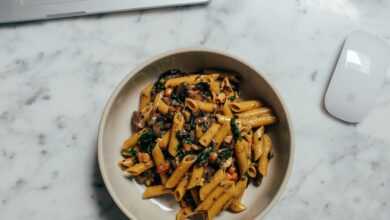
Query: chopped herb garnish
147	141
235	129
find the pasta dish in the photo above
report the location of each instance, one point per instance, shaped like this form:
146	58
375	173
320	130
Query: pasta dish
196	139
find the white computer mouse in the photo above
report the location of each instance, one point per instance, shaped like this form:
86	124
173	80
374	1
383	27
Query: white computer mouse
359	74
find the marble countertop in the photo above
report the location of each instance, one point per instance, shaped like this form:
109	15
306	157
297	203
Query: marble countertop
56	77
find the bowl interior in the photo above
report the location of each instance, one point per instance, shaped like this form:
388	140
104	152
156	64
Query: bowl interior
115	127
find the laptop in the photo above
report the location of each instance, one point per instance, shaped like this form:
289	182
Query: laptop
27	10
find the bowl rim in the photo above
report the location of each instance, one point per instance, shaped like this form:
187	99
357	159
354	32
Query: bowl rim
155	58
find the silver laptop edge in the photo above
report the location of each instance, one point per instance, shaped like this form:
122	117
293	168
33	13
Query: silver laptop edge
28	10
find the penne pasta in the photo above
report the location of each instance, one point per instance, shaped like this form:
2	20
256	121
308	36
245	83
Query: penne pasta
254	112
226	109
126	163
158	155
147	111
145	96
208	202
159	161
139	168
196	105
206	106
252	171
212	74
178	123
181	189
186	127
177	81
267	144
214	88
256	122
160	104
196	177
236	205
155	191
198	131
187	115
192	104
240	187
257	146
244	105
241	155
247	134
221	134
164	141
208	136
263	162
226	85
222	119
221	202
132	141
206	78
183	213
180	171
215	180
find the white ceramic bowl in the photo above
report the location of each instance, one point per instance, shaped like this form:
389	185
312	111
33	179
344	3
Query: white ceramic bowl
115	127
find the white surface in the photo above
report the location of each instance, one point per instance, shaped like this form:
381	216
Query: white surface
24	10
56	76
359	75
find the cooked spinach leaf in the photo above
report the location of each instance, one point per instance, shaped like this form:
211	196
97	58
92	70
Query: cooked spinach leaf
159	86
184	137
181	154
203	156
147	141
204	88
164	121
192	122
235	129
225	154
180	93
131	152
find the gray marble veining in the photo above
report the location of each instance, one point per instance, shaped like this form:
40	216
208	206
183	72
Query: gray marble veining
56	76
